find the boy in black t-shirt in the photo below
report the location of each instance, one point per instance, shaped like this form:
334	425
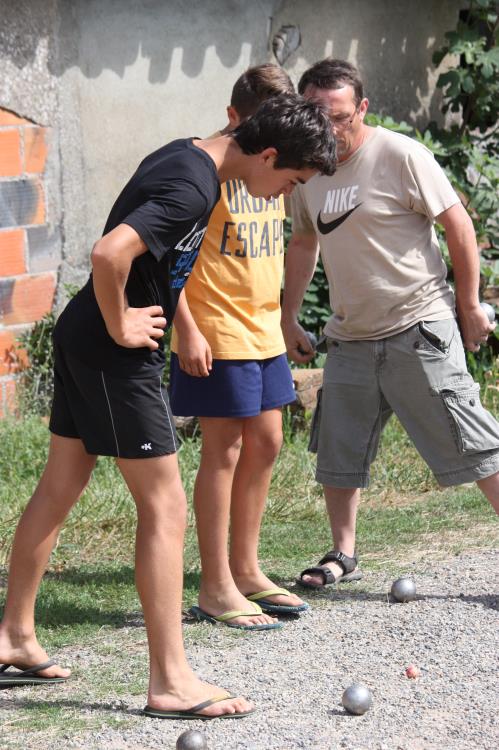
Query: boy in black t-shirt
108	394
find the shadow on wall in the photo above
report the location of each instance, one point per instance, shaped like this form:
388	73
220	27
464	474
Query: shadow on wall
392	42
97	36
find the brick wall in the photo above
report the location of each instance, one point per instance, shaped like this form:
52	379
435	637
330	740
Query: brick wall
29	245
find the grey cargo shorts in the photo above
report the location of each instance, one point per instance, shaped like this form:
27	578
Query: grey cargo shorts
421	376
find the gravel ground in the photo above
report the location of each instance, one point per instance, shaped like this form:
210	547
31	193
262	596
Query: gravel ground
296	676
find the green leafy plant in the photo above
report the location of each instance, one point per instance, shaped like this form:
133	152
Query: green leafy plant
36	382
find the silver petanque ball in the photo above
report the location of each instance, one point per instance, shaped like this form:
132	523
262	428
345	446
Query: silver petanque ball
357	699
312	338
403	590
191	740
489	310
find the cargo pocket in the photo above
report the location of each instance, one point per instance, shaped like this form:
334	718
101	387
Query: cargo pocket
313	442
435	336
474	429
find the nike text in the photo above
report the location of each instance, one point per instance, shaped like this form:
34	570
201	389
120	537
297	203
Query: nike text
340	199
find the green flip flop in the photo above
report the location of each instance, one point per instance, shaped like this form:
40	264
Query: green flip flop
193	713
260	598
27	676
203	616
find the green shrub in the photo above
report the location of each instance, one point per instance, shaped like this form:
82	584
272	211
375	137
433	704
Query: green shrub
36	381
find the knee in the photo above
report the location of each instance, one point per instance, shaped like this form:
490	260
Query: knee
162	513
265	446
225	456
63	490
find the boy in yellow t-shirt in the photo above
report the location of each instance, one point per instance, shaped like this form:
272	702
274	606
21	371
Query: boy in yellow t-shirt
229	368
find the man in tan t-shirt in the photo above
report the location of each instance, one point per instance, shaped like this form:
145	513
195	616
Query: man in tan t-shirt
393	342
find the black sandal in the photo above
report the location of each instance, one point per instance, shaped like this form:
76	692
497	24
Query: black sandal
27	676
347	564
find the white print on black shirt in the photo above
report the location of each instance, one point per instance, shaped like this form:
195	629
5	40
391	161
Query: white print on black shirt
189	247
192	240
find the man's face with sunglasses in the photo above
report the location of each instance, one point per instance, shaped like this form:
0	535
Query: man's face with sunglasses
346	116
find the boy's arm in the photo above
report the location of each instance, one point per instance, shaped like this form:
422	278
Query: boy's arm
194	352
112	257
463	251
301	259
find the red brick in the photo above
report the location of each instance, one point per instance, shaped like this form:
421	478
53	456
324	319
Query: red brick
10	153
28	299
12	357
8	404
9	118
12	261
35	150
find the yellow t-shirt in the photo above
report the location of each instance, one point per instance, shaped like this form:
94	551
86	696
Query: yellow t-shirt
233	291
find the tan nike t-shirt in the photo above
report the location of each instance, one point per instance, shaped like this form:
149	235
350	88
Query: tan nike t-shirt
374	222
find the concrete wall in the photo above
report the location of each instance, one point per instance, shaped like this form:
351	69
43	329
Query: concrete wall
116	79
135	75
108	81
390	41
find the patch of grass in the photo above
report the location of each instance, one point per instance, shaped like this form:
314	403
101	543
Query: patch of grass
56	720
89	587
88	611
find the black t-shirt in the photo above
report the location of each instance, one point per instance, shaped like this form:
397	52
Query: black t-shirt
168	202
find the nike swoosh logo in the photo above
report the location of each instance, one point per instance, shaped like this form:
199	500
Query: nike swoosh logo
325	227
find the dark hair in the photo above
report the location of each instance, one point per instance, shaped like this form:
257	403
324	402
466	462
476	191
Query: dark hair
333	74
257	84
299	130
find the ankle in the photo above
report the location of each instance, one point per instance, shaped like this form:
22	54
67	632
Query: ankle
168	678
18	635
244	571
346	549
217	588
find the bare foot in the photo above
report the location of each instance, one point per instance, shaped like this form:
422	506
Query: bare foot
318	580
24	653
251	584
191	692
226	601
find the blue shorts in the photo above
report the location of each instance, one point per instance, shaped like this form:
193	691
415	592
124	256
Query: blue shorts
234	388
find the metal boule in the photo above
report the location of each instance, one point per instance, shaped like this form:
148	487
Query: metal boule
312	339
357	699
489	310
192	739
403	589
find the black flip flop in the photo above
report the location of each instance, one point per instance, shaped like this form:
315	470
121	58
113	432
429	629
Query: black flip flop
193	713
27	676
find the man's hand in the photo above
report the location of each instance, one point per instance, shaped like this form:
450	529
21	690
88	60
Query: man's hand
298	345
463	251
194	354
475	327
141	326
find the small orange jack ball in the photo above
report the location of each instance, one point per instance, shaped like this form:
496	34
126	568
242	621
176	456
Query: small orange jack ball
412	672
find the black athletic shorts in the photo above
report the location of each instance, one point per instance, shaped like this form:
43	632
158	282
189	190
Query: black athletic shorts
112	416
